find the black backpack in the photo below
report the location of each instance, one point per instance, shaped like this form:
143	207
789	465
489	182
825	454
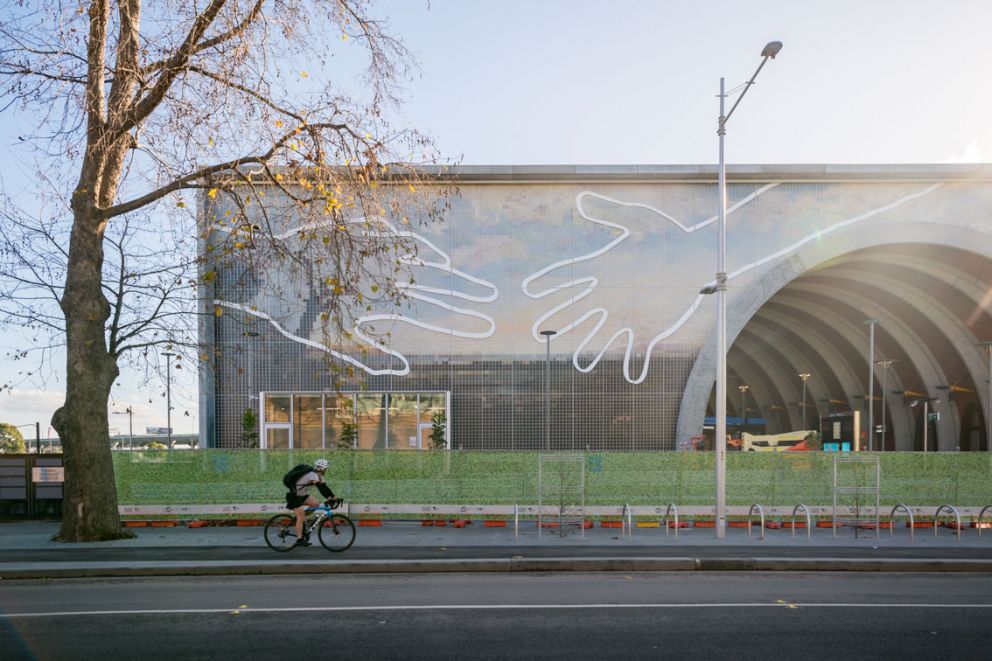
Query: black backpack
294	474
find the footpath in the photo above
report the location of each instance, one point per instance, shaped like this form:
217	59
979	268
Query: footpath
27	551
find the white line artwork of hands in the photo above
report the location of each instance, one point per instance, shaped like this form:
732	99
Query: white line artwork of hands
588	283
413	290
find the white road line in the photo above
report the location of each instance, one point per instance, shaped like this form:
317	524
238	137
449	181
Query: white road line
339	609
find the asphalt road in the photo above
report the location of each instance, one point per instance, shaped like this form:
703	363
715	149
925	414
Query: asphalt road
481	616
261	552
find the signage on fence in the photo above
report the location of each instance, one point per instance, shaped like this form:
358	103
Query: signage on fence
157	430
48	474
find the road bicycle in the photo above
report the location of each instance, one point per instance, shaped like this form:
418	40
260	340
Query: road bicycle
335	531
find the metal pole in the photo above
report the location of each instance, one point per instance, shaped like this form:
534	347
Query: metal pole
885	364
37	438
926	422
168	395
988	408
804	376
130	427
547	388
885	374
720	441
871	381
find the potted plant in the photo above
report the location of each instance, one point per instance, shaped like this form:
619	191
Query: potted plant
348	437
438	428
249	429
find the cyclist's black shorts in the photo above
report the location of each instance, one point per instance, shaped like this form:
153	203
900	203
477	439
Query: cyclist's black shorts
293	501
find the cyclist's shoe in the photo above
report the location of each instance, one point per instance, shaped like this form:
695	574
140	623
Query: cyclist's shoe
302	542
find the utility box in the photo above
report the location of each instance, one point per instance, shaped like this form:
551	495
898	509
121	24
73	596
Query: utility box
841	432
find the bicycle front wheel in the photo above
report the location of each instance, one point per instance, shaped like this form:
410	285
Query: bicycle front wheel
337	533
280	532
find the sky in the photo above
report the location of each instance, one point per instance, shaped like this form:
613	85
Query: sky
636	82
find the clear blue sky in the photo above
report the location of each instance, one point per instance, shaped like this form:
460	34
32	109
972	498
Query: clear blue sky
556	82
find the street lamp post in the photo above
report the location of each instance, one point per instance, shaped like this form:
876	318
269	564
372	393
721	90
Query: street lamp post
770	50
885	365
743	388
547	387
168	395
871	381
988	408
129	412
805	377
37	436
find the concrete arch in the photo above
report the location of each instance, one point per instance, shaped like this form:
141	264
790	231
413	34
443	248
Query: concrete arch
791	380
857	339
746	303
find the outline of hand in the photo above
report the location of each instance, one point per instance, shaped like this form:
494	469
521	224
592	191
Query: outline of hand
412	290
590	282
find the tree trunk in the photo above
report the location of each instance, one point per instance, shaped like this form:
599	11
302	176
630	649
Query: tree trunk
89	511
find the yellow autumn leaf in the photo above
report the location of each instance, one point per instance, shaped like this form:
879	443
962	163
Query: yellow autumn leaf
412	189
278	123
180	204
212	193
218	311
304	74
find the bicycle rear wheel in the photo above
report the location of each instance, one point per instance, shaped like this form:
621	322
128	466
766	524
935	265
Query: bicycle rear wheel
280	532
337	533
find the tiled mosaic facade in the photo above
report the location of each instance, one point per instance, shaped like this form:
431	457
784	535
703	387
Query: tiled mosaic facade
614	266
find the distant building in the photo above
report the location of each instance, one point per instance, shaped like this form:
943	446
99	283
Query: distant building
613	259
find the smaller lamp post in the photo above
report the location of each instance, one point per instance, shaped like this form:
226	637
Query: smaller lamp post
547	387
805	377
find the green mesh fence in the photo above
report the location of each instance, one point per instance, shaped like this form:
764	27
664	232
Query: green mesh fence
503	478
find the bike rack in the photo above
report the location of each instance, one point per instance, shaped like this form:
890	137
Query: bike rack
957	516
978	522
626	519
516	521
762	513
892	515
671	508
809	521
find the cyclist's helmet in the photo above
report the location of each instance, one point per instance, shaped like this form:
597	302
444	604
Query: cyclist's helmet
320	464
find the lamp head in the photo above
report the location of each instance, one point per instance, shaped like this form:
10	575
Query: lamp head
771	49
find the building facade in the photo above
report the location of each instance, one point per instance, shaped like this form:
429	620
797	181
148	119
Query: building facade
613	260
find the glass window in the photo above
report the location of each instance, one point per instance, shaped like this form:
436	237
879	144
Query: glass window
339	417
277	408
403	421
308	423
277	438
371	421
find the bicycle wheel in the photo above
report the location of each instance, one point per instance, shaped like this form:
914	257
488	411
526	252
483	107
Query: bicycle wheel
337	533
280	532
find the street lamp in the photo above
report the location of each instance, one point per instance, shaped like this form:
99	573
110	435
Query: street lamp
168	394
129	412
37	435
805	377
885	365
770	50
871	381
547	387
926	414
743	388
988	409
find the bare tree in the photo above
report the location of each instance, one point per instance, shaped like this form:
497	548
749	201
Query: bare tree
139	103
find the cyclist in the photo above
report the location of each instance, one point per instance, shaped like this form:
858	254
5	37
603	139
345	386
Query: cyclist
299	499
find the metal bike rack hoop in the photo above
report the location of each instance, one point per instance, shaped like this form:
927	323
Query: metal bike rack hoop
900	506
626	518
957	516
671	508
761	512
809	521
978	522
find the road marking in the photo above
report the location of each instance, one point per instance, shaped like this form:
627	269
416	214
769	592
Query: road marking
339	609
